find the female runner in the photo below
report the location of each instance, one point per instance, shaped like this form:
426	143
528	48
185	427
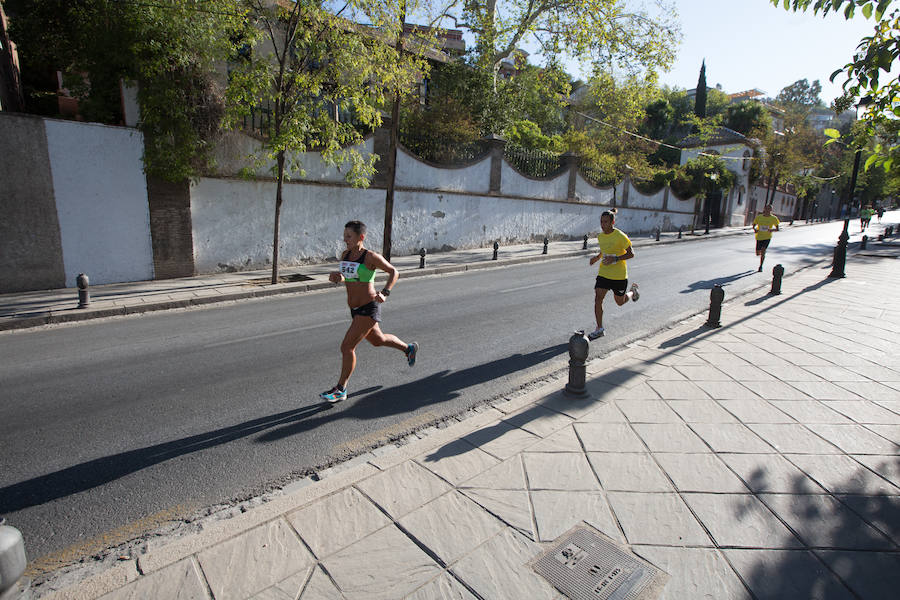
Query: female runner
357	271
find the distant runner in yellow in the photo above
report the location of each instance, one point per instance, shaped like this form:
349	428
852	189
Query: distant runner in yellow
763	226
615	249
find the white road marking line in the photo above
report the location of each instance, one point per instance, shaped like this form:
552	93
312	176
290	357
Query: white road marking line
275	333
528	287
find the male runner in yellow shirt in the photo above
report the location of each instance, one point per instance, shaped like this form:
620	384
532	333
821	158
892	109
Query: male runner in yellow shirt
612	274
763	226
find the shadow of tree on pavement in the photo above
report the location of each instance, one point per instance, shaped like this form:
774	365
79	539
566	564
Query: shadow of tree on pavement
851	537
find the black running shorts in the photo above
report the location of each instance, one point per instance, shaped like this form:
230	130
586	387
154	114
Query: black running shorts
372	310
761	245
618	286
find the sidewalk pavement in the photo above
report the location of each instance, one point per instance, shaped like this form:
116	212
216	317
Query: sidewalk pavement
756	460
31	309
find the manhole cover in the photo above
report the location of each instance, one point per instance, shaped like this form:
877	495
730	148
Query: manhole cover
585	565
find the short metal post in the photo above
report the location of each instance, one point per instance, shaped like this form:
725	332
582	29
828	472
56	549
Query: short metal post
585	243
863	242
84	294
578	353
546	241
658	231
422	258
680	228
840	253
777	274
496	248
12	563
716	296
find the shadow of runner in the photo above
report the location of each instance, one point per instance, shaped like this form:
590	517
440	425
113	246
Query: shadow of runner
851	538
434	389
94	473
374	402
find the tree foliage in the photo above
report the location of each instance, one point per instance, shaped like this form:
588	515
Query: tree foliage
308	65
801	93
749	117
869	74
169	47
605	33
700	98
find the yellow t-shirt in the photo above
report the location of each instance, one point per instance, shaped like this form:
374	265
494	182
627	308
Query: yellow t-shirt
615	243
765	225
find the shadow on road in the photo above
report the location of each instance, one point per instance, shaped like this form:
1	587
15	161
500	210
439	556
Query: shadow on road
707	284
373	402
434	389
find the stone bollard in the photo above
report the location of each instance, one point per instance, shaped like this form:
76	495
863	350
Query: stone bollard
422	258
578	353
777	274
12	563
546	241
658	231
585	243
496	248
84	294
716	296
863	242
680	228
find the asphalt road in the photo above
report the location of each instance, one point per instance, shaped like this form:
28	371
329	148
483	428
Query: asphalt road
112	427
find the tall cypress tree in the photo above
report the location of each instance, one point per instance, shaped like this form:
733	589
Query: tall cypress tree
700	99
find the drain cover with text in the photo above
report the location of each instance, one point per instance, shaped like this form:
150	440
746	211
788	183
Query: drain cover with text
585	565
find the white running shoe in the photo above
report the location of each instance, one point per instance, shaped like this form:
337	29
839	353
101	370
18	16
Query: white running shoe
635	296
597	333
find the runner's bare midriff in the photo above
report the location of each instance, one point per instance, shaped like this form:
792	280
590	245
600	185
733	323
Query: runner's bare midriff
359	293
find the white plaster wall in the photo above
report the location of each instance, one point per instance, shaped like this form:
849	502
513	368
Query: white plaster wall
638	200
452	221
513	184
585	192
237	150
101	201
233	222
474	178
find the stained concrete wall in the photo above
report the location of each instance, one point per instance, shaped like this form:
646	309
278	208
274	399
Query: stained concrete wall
30	244
101	201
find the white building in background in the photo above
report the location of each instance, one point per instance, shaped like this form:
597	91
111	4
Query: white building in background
731	209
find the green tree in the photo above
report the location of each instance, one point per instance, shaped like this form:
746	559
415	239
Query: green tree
169	47
699	177
700	98
310	63
869	73
801	93
748	117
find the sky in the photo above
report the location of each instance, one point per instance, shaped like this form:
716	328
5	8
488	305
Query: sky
752	44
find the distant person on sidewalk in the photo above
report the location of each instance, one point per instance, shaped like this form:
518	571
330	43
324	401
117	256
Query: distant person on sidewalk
763	225
612	274
357	271
865	216
880	212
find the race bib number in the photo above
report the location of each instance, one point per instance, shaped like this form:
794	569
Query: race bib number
763	227
348	269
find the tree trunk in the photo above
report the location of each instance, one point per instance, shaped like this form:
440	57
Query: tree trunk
278	199
392	153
